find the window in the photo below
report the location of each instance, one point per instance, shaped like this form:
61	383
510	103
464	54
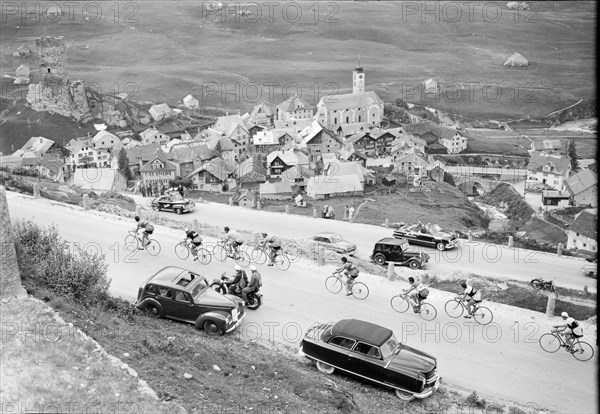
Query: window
368	350
342	342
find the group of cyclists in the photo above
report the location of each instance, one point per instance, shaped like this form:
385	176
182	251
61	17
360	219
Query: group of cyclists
243	283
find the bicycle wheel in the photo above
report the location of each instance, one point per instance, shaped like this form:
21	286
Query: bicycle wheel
203	256
131	242
428	311
182	251
399	303
282	262
550	342
582	351
243	259
483	315
220	253
258	256
454	308
360	290
333	284
153	247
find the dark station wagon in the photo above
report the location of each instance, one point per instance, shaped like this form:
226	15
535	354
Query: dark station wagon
372	353
182	295
173	202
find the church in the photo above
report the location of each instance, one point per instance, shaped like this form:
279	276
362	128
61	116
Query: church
351	112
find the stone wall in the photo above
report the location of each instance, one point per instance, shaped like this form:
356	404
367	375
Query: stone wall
10	277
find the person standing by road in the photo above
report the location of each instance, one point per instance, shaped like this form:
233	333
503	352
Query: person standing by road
351	214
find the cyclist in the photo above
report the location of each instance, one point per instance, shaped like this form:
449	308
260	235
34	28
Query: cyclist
418	292
239	281
351	272
254	283
195	239
570	330
233	240
470	295
148	230
274	244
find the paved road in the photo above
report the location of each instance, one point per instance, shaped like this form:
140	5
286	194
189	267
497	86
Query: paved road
501	361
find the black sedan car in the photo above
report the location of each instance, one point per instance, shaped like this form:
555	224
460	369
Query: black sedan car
427	235
372	353
182	295
173	202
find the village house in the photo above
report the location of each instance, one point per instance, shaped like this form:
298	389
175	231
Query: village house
403	144
159	170
187	156
554	199
297	176
357	108
337	168
190	102
549	169
251	170
412	161
582	233
107	141
319	141
247	198
430	85
294	108
372	142
583	188
267	141
154	136
349	153
88	157
139	155
436	135
212	176
276	191
553	146
38	147
322	187
293	126
160	112
263	115
280	161
51	167
238	130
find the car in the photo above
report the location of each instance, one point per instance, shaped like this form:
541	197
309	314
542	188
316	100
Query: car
173	202
372	353
591	269
427	235
182	295
397	251
334	241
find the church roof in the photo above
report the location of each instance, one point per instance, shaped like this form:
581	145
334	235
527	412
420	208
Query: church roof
350	100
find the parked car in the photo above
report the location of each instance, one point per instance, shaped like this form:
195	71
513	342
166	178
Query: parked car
391	250
371	352
182	295
427	235
591	269
334	241
173	202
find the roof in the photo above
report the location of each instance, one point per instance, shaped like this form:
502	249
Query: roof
168	276
38	144
581	181
188	151
229	123
251	195
263	109
268	137
516	59
341	184
289	157
560	163
275	188
362	331
142	152
393	241
216	167
252	165
350	100
585	224
295	125
349	129
160	155
349	151
292	104
335	168
419	129
412	151
297	171
52	163
149	132
189	98
160	108
552	144
105	134
357	136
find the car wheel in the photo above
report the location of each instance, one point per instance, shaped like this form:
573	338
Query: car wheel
324	368
440	246
179	210
592	274
156	311
212	329
404	395
379	259
413	264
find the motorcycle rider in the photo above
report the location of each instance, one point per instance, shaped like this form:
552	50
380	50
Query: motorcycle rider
239	281
254	283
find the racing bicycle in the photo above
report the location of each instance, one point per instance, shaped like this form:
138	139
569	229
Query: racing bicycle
221	251
335	282
402	302
134	240
553	341
261	253
456	307
184	248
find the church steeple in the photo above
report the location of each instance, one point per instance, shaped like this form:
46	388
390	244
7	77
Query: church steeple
358	79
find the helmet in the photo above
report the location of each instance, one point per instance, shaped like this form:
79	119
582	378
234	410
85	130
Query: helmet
464	284
264	234
238	268
411	279
187	230
226	228
344	259
253	268
564	315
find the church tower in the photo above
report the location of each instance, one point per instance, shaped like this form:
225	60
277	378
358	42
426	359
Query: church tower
358	79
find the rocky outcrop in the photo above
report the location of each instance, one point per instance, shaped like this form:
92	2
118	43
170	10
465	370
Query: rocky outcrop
10	277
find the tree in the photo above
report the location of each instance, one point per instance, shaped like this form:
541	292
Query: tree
572	153
123	164
186	182
400	103
396	114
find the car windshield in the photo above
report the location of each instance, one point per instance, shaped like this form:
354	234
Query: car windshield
176	197
200	287
390	347
336	238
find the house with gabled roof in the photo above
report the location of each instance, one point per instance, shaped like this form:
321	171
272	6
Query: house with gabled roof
583	188
452	140
583	232
552	170
247	198
267	141
297	175
237	130
279	161
187	156
412	161
350	153
554	146
52	167
294	108
322	187
319	141
154	136
160	112
251	170
106	141
280	190
404	143
38	147
139	155
263	115
159	170
212	176
337	168
191	102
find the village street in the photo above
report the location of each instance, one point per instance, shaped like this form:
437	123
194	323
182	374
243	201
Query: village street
502	360
472	257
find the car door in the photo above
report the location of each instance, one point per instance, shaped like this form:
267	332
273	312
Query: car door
396	254
167	204
365	360
425	239
336	351
177	304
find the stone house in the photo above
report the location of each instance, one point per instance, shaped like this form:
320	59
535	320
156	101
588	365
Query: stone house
583	188
319	141
549	169
159	170
160	112
583	233
154	136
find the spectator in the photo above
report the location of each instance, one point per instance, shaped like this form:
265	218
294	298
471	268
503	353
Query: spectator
325	209
351	214
346	213
162	189
330	213
180	189
143	188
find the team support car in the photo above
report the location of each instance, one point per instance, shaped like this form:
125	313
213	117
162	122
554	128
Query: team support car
372	353
334	242
182	295
397	251
173	202
427	235
591	269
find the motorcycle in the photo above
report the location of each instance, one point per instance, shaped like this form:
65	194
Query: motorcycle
222	286
541	284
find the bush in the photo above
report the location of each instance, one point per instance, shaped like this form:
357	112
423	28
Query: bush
473	400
